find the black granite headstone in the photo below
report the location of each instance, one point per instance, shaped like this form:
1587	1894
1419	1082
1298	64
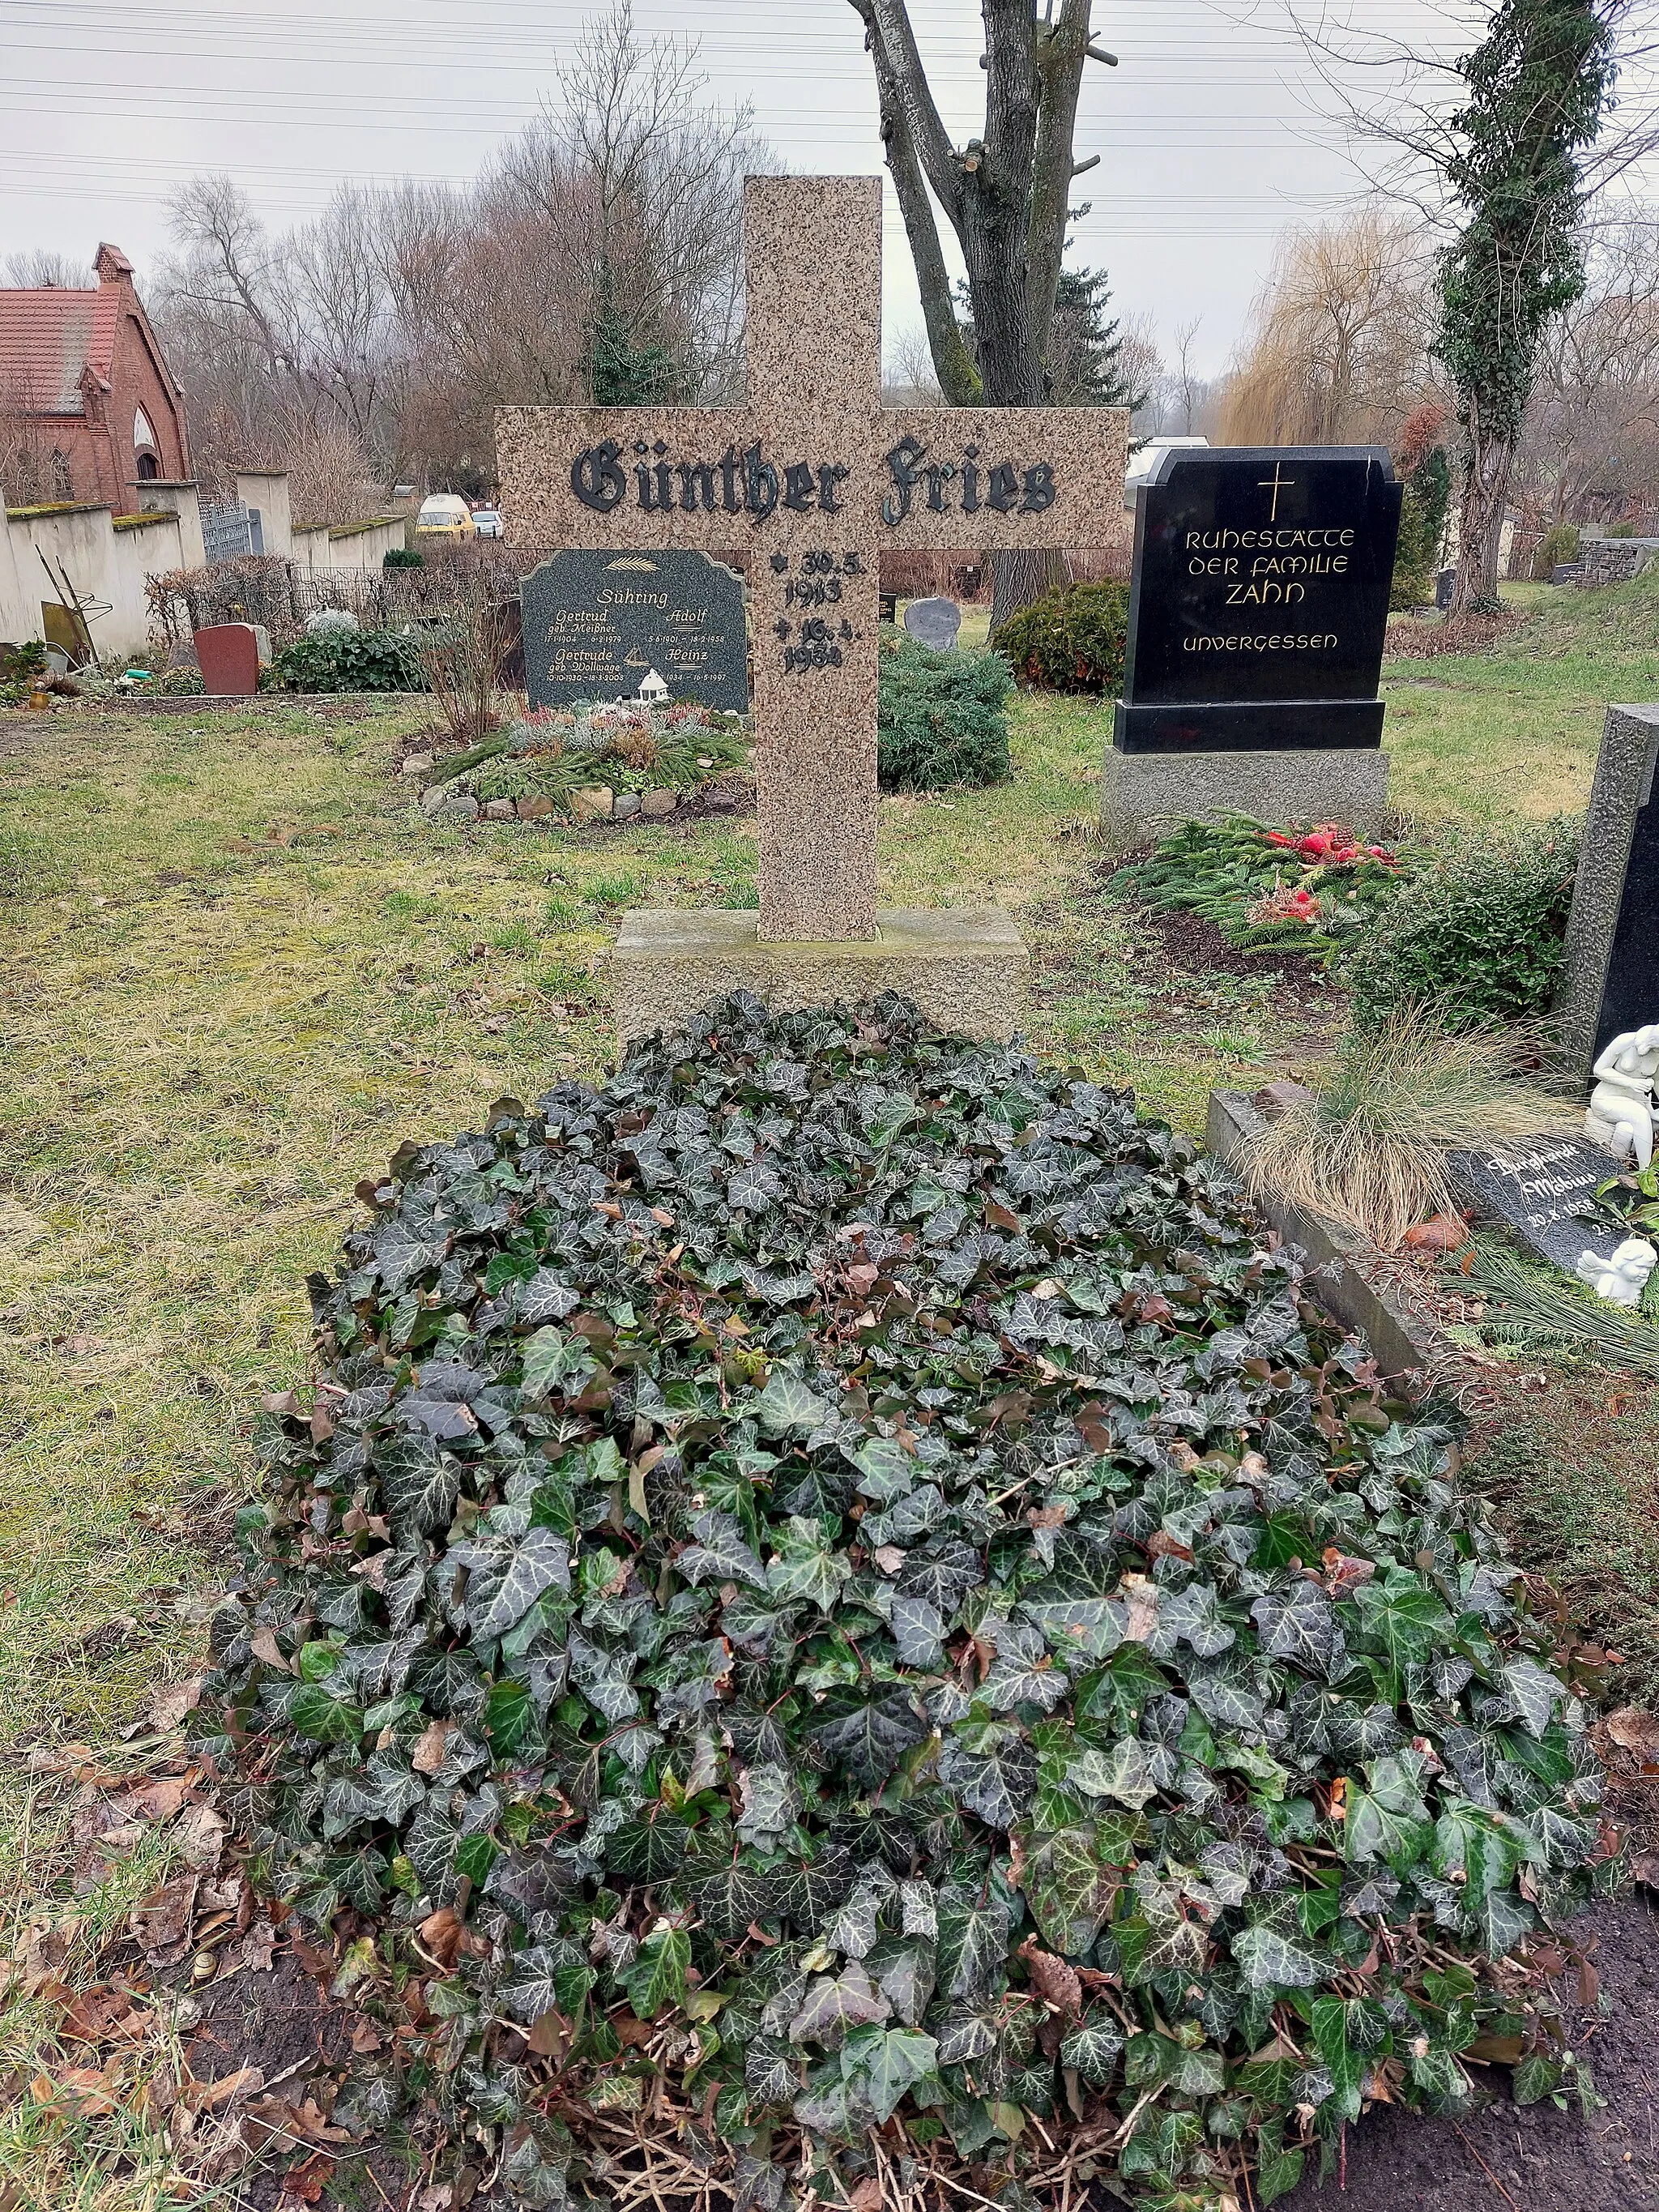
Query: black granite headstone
1610	975
1532	1190
1260	600
597	624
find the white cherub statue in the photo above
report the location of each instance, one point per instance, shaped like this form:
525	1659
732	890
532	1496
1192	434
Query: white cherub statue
1621	1110
1622	1277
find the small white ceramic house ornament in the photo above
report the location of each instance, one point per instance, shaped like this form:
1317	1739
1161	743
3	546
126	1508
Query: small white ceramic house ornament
652	691
1622	1277
1620	1113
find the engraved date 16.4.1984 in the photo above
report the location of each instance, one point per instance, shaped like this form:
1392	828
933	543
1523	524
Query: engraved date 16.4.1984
815	640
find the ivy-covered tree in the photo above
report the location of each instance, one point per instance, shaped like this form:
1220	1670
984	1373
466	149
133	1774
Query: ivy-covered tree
1085	352
1424	474
1538	88
1007	198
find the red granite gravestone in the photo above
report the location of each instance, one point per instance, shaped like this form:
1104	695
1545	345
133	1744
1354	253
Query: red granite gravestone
228	657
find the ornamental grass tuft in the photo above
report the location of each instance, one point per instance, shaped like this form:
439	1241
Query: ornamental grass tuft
839	1579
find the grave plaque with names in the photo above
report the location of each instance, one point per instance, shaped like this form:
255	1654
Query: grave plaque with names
1260	600
1534	1190
596	625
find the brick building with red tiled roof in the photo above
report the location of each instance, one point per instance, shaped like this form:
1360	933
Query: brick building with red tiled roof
83	374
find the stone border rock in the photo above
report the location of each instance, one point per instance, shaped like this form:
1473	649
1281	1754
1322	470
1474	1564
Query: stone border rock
1406	1339
593	806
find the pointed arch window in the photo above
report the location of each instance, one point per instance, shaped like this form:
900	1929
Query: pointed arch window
63	477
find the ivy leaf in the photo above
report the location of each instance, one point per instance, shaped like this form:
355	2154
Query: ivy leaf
1535	1690
834	2003
866	1737
719	1554
785	1403
1092	2049
547	1977
905	1971
885	2063
1300	1625
553	1361
1068	1889
767	2073
807	1566
313	1712
886	1470
770	1803
1269	1958
973	1948
1121	1772
419	1483
1092	1626
918	1631
657	1977
1195	1613
1332	2018
729	1897
647	1850
1403	1616
991	1768
505	1582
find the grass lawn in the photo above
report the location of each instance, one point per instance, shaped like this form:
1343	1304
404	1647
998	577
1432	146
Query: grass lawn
237	971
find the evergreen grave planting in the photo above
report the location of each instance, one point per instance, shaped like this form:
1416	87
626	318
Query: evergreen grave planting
840	1581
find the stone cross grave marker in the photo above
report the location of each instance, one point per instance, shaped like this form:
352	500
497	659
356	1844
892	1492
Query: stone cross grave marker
816	478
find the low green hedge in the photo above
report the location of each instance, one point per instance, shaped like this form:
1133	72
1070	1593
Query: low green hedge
942	718
349	660
1071	640
1479	933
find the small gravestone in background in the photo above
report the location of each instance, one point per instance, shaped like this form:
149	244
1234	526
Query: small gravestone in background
228	655
937	622
1611	981
598	625
1257	616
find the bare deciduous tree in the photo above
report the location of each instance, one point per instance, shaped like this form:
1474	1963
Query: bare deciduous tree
1004	194
401	319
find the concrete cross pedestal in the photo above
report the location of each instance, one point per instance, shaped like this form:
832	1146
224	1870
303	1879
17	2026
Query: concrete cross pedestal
819	479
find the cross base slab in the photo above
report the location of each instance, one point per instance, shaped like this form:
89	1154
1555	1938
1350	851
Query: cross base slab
1336	783
967	968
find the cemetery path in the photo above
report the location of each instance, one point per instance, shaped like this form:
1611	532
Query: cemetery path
1534	2158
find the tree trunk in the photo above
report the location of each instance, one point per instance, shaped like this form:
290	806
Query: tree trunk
1488	461
1021	576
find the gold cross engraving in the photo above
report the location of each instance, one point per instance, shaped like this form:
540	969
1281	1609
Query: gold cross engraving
1275	484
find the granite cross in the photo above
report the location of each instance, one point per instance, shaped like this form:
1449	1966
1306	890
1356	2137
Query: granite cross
818	479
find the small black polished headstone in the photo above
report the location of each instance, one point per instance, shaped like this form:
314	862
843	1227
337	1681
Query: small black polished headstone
1259	602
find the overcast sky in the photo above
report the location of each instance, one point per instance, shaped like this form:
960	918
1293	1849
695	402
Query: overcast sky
1209	132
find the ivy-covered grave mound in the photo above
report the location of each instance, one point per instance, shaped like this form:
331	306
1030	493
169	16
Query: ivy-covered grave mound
848	1568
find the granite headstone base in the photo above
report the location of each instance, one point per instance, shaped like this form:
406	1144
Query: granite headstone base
967	968
1138	789
1531	1188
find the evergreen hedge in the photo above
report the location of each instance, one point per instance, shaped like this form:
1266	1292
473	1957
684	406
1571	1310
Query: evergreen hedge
941	716
1072	639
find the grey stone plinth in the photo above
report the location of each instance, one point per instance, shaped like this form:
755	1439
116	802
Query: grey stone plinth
967	968
1137	790
1344	1273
